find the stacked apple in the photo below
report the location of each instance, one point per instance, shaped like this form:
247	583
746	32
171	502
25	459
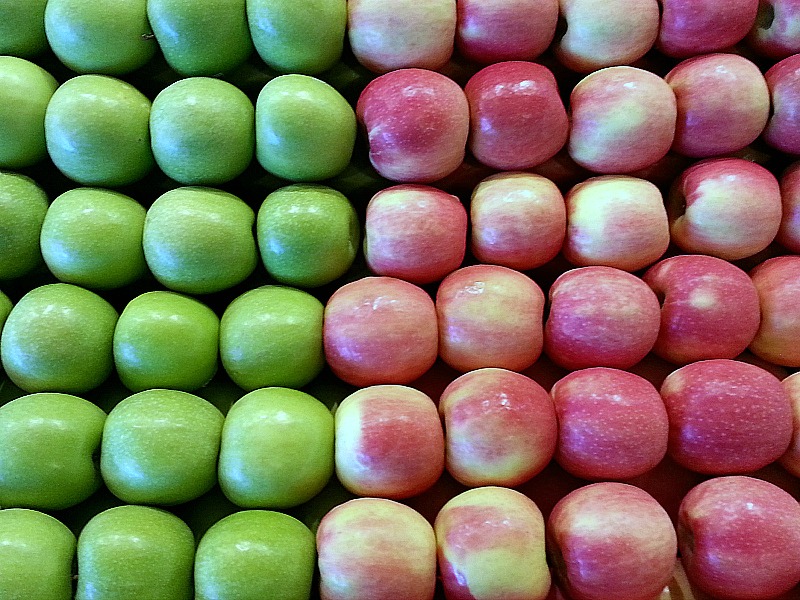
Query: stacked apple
359	299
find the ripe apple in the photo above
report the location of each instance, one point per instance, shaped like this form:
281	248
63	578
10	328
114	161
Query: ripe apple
789	232
774	33
782	131
778	282
22	28
791	459
690	28
23	206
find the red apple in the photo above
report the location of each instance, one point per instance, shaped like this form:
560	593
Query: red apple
789	232
791	459
783	129
778	283
776	32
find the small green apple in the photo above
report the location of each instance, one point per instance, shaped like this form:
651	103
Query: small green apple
253	555
135	552
308	234
200	240
277	449
5	308
93	238
97	130
305	129
23	206
58	338
272	336
47	458
36	554
160	447
27	88
22	28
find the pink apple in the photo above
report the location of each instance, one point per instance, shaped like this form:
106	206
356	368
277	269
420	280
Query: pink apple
610	541
791	459
415	232
739	538
517	118
395	34
500	427
726	417
623	119
710	308
489	316
600	317
778	283
380	330
789	232
776	32
725	207
783	129
616	221
416	122
723	104
692	27
491	31
375	548
491	545
518	220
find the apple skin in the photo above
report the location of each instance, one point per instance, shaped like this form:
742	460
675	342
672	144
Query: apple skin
376	548
791	459
778	283
782	131
726	417
789	232
23	207
710	308
739	537
600	317
615	221
417	124
775	32
5	308
611	540
416	233
22	31
623	120
500	428
491	546
380	330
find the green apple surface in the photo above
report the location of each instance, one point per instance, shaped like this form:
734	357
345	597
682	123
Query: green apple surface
27	88
160	447
23	205
202	131
277	449
47	458
308	234
135	553
253	555
93	238
298	37
200	240
36	554
305	129
5	308
97	130
58	338
22	28
100	36
272	336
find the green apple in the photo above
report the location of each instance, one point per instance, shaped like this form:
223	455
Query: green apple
5	308
58	338
47	458
166	340
22	28
135	553
100	36
308	234
27	88
97	130
23	205
160	447
277	449
200	240
201	38
36	554
253	555
305	129
298	37
272	336
93	238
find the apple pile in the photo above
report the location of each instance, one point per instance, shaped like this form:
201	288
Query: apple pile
400	299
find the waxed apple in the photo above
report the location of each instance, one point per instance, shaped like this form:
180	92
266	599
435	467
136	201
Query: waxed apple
690	28
781	131
789	231
791	459
778	281
22	29
774	33
23	206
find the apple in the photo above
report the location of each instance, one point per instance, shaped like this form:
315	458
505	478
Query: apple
690	28
23	206
775	31
202	131
277	449
616	221
726	417
777	281
376	548
416	233
623	119
739	537
22	29
791	459
389	442
255	554
5	308
416	122
500	428
789	231
782	131
491	545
